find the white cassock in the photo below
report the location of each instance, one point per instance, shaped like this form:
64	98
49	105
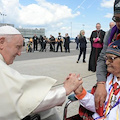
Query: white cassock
21	95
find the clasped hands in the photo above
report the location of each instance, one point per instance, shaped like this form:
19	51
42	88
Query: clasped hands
96	39
73	83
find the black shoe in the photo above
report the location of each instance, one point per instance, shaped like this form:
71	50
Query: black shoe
84	61
77	62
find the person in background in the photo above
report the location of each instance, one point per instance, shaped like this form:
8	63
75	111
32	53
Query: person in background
111	24
31	40
67	43
59	42
113	35
41	43
44	43
111	108
29	47
35	42
23	95
52	43
77	42
96	40
83	45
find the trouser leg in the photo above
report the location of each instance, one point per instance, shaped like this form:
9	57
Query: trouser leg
61	46
57	47
84	54
34	46
51	48
80	54
54	47
68	47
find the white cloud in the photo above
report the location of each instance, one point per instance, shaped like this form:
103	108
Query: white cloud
107	3
40	14
11	9
109	15
65	28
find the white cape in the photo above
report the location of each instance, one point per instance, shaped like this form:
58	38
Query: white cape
20	94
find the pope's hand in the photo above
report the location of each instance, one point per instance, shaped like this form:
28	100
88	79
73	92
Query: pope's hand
72	82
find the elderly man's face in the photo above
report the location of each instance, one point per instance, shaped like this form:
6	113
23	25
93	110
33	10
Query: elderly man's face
12	47
113	64
98	26
112	24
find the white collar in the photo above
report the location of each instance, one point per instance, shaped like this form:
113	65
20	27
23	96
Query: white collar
1	58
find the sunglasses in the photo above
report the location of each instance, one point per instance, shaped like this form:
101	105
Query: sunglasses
116	19
110	58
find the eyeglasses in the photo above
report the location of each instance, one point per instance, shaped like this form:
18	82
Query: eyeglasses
110	58
116	19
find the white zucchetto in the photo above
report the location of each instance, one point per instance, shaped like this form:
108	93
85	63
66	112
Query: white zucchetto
9	30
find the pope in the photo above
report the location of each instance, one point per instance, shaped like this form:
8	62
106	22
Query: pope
22	95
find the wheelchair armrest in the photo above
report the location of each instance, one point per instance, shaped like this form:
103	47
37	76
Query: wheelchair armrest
89	91
72	97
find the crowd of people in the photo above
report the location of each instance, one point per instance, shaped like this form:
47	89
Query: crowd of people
54	43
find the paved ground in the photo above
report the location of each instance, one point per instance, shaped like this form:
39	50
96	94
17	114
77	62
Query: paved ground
56	65
48	54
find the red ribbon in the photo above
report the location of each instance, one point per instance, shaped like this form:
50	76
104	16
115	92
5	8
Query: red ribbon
118	37
115	89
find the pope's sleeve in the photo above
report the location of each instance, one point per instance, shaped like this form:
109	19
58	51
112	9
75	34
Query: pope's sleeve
55	97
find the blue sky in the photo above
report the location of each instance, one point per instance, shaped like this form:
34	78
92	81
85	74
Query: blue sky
65	16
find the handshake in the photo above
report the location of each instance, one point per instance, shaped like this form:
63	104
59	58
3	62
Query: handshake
73	83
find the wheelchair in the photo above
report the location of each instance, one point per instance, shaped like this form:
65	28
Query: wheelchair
71	99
